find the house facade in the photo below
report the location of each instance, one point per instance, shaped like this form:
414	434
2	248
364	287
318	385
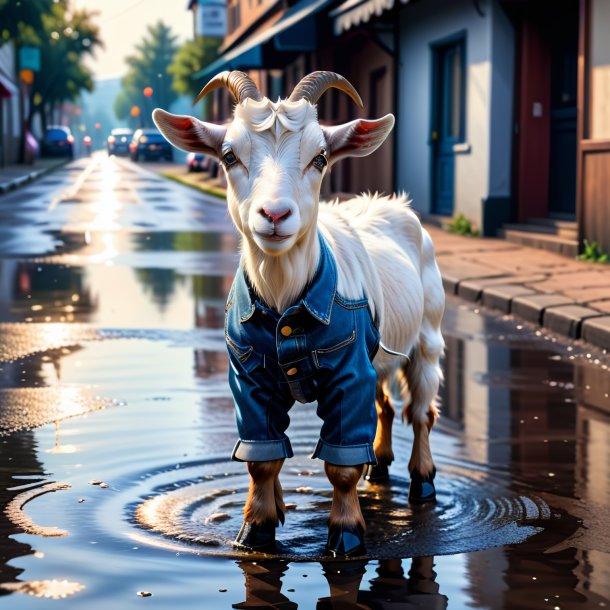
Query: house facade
9	107
502	106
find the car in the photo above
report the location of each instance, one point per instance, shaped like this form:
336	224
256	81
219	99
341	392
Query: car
118	141
150	144
196	162
57	142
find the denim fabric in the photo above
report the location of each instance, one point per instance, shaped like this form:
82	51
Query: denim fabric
319	349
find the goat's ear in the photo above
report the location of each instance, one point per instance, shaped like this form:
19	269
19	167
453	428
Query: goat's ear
358	138
190	134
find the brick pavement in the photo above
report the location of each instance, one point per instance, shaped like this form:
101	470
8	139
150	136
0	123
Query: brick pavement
567	296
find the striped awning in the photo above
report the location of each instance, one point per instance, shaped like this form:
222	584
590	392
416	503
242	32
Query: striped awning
353	13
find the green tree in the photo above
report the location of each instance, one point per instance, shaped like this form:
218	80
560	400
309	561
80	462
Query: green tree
193	56
21	21
67	36
148	67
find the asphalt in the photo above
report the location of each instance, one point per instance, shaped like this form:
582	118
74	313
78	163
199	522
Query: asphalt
566	296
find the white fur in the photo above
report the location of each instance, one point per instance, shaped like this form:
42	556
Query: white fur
381	249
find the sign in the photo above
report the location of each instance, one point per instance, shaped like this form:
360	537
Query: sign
29	58
212	18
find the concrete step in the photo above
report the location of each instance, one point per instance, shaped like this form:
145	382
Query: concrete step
563	228
540	239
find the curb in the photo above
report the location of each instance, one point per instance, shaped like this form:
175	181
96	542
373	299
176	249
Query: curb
555	312
15	183
218	193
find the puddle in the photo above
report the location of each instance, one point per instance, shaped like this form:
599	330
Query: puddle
113	368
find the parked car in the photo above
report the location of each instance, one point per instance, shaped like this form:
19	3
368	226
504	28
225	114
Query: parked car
118	141
57	142
150	144
196	162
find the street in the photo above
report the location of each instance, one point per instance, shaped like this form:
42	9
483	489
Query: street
117	425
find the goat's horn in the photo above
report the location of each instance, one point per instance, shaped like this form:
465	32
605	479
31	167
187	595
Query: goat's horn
238	83
312	86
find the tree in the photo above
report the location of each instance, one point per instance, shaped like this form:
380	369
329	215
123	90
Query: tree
192	57
148	67
67	36
21	22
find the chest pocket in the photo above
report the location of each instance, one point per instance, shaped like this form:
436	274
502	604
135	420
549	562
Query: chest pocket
238	344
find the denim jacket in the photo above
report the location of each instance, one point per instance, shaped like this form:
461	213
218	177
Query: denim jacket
320	349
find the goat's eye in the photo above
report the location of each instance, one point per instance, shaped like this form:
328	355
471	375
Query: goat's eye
320	162
229	159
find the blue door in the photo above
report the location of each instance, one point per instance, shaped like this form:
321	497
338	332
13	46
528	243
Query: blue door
447	122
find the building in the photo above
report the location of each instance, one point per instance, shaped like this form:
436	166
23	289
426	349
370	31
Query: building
9	107
502	106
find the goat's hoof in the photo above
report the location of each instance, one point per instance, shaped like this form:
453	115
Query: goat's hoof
345	541
376	472
421	489
256	536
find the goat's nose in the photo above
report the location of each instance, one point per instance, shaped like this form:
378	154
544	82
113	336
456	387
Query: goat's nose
275	216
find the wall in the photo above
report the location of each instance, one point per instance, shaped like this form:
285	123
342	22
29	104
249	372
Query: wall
599	125
9	129
484	171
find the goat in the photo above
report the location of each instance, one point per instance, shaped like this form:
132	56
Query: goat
319	288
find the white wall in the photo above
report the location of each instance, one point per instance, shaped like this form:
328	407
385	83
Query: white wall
489	100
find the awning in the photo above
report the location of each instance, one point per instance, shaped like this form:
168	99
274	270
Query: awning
7	87
294	31
355	12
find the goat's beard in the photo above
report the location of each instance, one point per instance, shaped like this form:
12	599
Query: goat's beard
280	278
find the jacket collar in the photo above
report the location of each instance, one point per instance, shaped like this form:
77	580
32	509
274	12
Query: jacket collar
317	298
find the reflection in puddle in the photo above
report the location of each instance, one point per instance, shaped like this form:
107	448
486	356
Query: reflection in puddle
49	589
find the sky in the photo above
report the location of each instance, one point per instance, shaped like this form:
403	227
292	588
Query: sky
123	25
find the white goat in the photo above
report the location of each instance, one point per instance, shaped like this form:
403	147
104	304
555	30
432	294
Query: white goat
275	155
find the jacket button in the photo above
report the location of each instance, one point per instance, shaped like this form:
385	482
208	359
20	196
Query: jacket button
286	331
292	371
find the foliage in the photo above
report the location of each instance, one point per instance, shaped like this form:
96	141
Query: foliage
460	225
192	57
148	68
21	21
66	37
593	253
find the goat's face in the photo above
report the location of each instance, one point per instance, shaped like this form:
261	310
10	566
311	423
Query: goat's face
275	157
275	154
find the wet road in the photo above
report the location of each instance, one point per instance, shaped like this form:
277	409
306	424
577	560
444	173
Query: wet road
116	424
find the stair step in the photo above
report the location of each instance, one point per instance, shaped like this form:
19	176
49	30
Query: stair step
541	240
563	228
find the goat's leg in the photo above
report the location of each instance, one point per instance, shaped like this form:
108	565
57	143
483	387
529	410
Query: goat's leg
423	378
264	507
346	523
383	437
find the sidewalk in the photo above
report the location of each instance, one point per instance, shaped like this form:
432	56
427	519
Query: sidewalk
198	180
564	295
14	176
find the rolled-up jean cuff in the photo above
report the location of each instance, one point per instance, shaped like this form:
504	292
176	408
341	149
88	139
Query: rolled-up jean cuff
351	455
262	451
